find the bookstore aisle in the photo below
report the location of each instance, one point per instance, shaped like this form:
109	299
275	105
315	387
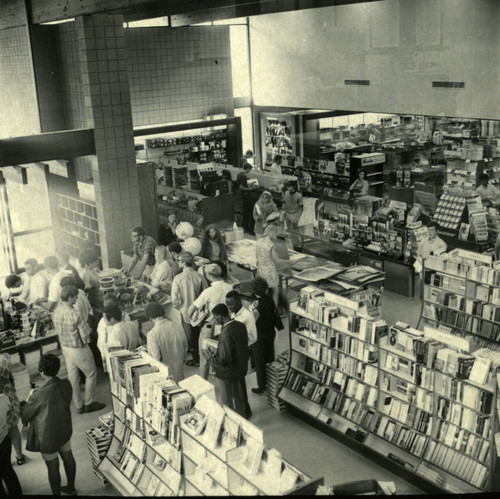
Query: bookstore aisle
304	446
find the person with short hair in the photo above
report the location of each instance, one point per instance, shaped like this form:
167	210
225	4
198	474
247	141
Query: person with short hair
144	252
174	251
266	316
55	285
14	283
52	275
186	287
490	195
89	262
230	361
293	205
82	304
275	168
245	158
207	300
433	245
242	314
48	410
166	231
167	341
120	332
161	276
39	282
74	336
102	327
63	255
246	197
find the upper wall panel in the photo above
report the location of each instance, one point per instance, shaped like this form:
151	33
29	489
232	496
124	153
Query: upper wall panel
303	58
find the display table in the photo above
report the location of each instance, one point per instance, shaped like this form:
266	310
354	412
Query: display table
400	276
27	343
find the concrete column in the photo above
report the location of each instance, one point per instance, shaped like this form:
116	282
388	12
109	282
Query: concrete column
101	46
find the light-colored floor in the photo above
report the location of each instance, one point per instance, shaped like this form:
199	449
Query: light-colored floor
306	447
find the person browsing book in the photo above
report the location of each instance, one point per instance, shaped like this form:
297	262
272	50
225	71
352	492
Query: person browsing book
208	299
186	287
48	410
242	314
266	317
167	341
230	361
161	275
120	332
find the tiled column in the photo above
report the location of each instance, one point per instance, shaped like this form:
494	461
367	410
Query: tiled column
101	44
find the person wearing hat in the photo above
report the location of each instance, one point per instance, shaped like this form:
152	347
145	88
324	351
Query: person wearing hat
264	207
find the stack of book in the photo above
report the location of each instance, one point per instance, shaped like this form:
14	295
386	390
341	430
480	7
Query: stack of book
21	378
98	440
276	374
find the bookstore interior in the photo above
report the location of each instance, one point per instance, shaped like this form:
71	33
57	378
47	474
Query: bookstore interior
148	278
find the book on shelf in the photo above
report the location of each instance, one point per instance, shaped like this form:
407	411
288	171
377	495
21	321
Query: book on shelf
253	456
196	419
288	480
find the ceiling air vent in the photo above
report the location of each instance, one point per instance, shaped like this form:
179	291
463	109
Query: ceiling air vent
448	84
357	82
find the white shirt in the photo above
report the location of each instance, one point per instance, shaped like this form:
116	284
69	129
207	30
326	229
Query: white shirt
275	169
488	193
82	305
244	315
212	296
160	273
25	293
55	285
102	333
436	247
125	334
39	286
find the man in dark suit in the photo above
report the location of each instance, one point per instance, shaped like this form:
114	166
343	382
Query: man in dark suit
230	362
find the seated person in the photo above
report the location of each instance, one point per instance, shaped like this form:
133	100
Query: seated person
490	195
120	332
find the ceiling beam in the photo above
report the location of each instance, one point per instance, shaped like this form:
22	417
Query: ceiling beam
133	10
46	146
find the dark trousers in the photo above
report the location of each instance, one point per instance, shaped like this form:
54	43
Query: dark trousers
230	394
247	208
248	410
263	353
8	476
192	335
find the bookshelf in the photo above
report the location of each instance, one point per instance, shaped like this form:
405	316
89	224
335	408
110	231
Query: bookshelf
463	297
424	401
162	445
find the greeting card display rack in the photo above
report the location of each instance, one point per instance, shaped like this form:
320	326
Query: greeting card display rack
162	445
425	401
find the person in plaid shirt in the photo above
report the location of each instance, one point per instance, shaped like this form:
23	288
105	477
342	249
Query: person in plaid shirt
74	335
144	252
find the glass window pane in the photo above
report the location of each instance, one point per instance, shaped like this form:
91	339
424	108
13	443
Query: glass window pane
39	245
239	61
245	113
28	204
